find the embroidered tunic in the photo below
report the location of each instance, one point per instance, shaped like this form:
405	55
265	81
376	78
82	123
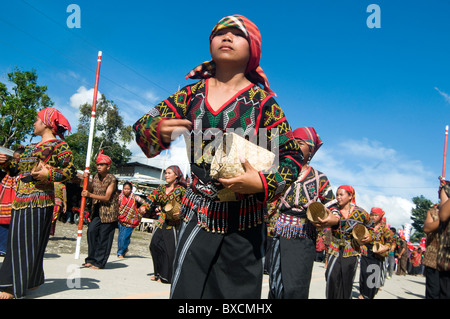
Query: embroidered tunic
311	185
160	197
342	233
250	110
381	234
58	156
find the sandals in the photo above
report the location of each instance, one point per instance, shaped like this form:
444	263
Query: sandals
90	266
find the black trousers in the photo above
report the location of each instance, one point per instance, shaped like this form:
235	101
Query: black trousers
218	266
370	275
292	262
444	282
162	249
432	283
100	238
339	275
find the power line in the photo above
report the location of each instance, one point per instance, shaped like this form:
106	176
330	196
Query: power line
93	46
66	56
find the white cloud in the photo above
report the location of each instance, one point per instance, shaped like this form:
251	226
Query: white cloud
381	176
445	95
83	96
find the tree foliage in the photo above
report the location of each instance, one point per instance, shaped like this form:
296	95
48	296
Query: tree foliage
418	215
18	108
110	134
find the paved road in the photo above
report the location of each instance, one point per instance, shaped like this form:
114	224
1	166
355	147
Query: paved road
129	278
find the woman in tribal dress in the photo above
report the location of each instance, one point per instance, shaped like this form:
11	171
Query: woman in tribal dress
32	208
371	263
129	217
294	243
164	238
7	194
343	252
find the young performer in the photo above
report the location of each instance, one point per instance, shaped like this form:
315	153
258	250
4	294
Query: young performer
219	254
294	244
343	252
129	217
104	213
39	166
371	264
165	235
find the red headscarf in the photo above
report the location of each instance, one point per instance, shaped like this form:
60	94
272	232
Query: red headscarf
309	135
103	159
254	72
378	211
55	120
351	191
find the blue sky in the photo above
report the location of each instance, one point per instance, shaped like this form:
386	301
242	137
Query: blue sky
378	97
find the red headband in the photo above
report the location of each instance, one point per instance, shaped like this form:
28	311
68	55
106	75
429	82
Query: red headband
378	211
103	159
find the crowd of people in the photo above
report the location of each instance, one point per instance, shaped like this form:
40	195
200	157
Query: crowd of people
206	246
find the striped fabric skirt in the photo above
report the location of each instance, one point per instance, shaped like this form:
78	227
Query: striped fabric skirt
22	267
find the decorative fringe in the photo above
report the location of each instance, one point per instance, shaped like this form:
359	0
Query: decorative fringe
213	215
37	199
289	226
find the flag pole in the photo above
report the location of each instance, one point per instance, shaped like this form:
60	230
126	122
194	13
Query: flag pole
88	158
445	153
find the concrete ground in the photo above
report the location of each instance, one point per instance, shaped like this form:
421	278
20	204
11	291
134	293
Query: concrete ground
129	278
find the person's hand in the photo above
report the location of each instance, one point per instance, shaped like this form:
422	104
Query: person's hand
366	239
248	183
142	210
170	129
85	193
328	221
40	173
382	250
3	158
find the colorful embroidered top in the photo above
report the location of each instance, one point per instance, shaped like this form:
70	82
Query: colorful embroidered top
382	234
58	157
311	186
342	233
160	197
128	211
250	110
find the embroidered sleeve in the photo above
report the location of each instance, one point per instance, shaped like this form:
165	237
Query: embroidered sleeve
326	195
279	177
62	168
141	201
147	127
154	197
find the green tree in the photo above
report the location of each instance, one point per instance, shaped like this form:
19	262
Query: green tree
18	109
418	215
110	134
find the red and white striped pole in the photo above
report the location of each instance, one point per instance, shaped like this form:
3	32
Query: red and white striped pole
445	153
88	158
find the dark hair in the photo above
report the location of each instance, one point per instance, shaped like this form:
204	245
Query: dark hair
20	149
129	184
